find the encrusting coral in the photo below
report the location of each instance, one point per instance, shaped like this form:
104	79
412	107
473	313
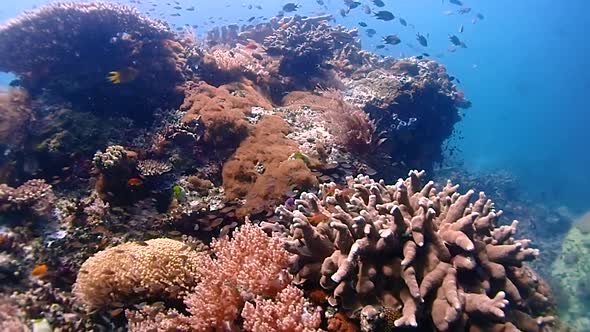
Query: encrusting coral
436	258
223	111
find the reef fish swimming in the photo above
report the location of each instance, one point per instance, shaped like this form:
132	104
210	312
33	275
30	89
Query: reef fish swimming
290	7
422	40
123	76
392	40
384	15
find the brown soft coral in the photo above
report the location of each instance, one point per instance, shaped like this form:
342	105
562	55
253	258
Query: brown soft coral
324	102
437	256
260	170
223	111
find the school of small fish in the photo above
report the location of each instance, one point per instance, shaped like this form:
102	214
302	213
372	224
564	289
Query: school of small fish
376	10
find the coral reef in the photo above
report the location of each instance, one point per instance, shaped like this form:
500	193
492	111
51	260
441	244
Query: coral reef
34	196
116	166
244	269
67	49
15	113
148	196
571	275
414	105
545	226
353	129
433	257
306	43
12	318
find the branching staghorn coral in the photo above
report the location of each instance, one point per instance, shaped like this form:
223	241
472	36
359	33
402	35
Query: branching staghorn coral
436	259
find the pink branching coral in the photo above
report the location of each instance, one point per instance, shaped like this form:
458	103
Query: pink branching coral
249	267
289	312
250	264
254	260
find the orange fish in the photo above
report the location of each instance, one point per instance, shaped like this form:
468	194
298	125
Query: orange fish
251	46
134	182
123	76
39	270
317	218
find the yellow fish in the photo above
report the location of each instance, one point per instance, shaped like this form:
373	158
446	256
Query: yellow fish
123	76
